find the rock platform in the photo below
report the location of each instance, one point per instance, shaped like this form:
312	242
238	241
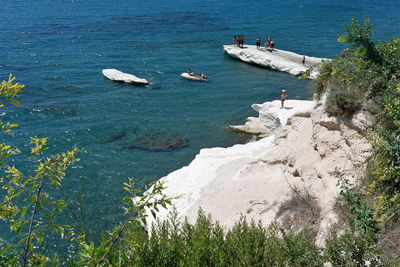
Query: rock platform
280	60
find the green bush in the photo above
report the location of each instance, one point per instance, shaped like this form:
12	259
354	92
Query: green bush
385	165
206	244
357	244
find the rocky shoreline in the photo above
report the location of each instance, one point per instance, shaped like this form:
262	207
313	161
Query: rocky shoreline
256	179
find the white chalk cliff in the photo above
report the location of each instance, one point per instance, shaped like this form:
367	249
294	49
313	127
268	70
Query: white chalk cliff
254	179
277	59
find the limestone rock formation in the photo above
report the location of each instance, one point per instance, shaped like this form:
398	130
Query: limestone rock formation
277	59
253	126
260	179
119	76
271	117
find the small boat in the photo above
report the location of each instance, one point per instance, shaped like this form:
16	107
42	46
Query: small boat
193	77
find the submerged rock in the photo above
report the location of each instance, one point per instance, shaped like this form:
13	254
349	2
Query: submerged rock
157	142
117	133
114	136
119	76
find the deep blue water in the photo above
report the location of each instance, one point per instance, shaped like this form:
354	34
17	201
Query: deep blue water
58	49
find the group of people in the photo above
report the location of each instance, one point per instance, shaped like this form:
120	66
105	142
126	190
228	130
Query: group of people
191	73
238	41
269	44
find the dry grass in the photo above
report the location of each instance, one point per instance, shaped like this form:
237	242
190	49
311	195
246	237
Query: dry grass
300	210
390	242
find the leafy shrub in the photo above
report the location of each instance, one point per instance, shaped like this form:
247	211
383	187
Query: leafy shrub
357	244
386	161
206	244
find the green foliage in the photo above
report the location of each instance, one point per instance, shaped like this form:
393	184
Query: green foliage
371	73
386	161
362	74
321	83
205	243
26	207
357	245
10	91
136	206
360	36
351	81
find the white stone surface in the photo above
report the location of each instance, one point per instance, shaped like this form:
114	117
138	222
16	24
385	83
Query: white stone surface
253	126
273	117
254	179
119	76
278	59
190	180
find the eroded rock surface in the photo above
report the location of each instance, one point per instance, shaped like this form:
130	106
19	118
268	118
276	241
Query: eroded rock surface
277	59
258	178
119	76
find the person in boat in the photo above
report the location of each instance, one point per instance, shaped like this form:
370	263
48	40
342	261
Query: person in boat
258	42
190	72
284	95
202	75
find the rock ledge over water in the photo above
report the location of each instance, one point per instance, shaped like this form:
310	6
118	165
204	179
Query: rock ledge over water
277	59
259	178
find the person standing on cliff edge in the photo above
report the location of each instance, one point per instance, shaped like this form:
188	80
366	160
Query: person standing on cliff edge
284	95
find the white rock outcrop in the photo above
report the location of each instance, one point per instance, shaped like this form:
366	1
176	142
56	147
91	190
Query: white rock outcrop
253	126
256	178
271	117
119	76
277	59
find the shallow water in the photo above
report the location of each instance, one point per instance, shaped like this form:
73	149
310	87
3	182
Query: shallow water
58	49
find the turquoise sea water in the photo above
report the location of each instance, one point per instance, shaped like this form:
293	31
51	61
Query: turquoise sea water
58	49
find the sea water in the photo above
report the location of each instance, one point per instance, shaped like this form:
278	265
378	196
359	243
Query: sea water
58	49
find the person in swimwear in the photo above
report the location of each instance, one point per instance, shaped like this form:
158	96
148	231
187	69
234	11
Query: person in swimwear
284	95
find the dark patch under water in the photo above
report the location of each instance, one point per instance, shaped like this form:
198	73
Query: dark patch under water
159	142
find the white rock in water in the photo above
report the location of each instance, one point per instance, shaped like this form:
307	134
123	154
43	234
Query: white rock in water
278	59
119	76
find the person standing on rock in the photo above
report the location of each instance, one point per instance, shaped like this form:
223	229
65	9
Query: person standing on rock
234	40
258	42
284	95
